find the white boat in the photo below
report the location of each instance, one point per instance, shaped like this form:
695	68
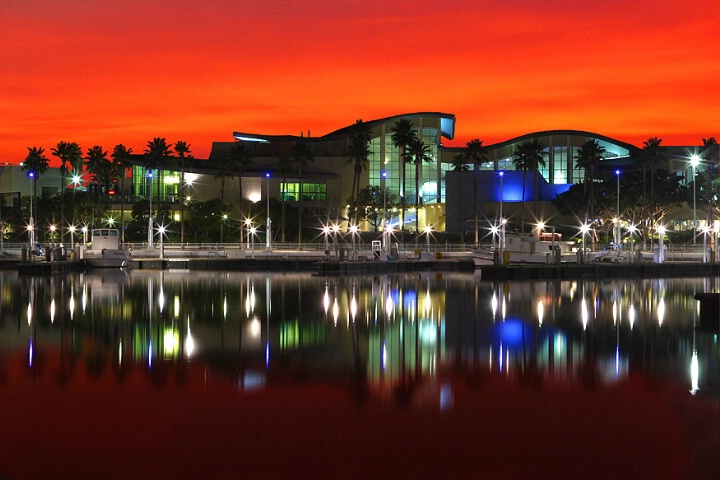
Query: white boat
524	249
105	251
483	258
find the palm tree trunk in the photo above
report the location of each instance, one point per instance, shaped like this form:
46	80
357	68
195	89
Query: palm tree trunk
63	174
402	197
417	203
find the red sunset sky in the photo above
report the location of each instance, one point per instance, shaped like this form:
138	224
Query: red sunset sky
105	73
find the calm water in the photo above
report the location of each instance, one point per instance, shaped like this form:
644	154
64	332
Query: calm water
307	376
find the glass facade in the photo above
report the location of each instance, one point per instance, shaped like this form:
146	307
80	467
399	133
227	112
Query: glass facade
167	181
312	192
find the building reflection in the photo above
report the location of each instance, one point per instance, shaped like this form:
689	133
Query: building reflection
400	338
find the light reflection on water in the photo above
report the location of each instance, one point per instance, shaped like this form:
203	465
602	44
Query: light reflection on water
394	331
354	377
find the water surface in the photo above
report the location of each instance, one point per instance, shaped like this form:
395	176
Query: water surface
181	374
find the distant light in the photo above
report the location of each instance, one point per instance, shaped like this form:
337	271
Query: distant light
617	172
694	160
501	173
267	175
384	173
243	138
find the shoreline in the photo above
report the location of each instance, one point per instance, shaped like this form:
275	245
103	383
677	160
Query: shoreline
313	264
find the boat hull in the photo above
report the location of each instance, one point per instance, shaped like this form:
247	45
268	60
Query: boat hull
107	258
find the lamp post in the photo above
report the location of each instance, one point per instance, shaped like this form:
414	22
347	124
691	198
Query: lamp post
31	225
428	230
253	231
335	229
502	220
150	217
705	256
661	244
353	231
248	225
161	233
268	228
618	236
53	228
326	232
584	229
631	230
694	162
72	237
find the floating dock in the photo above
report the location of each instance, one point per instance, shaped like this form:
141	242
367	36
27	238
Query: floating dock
50	268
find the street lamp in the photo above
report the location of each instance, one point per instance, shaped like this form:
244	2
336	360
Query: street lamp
326	232
31	226
705	231
253	231
584	229
335	229
428	230
72	237
161	232
150	217
502	220
631	230
248	227
353	231
661	243
618	236
268	228
694	162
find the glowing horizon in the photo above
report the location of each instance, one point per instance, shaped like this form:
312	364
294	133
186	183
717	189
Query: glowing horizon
125	72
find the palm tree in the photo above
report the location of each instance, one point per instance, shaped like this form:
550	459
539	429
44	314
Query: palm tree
283	167
66	152
121	158
157	157
224	165
182	149
419	152
528	156
459	165
301	155
99	167
359	153
587	158
36	164
402	135
476	153
652	152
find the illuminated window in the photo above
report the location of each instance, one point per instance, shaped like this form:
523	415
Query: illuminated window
560	165
312	192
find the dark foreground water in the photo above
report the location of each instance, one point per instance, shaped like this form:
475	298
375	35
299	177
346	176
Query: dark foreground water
235	375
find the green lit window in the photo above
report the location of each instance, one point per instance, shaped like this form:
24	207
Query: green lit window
311	192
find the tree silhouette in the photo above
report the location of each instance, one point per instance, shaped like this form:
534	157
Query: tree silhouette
402	135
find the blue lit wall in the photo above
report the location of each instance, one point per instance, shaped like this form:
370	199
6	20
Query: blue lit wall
490	188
